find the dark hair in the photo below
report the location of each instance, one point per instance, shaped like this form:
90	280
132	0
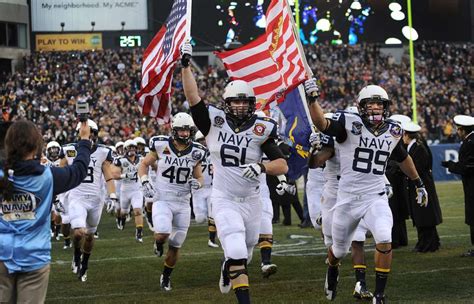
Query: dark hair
22	138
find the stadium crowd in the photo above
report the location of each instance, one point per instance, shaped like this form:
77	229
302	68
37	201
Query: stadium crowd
48	85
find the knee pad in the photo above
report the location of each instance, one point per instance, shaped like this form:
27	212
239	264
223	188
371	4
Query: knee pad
211	225
383	251
235	246
339	251
177	238
234	274
265	242
200	218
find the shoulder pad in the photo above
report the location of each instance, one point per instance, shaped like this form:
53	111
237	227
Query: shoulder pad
270	120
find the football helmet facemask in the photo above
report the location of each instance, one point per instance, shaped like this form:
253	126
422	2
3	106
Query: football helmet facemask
239	101
52	150
373	94
183	121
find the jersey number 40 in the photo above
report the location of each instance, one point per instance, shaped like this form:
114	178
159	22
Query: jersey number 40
178	175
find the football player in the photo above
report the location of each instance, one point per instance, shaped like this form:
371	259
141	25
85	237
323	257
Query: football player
365	142
179	173
130	190
201	197
236	139
142	149
53	150
86	204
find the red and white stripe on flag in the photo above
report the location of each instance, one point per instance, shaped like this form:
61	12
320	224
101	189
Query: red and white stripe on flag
159	61
271	64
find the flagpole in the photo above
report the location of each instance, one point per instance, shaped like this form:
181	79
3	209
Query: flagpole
298	41
305	63
412	64
188	17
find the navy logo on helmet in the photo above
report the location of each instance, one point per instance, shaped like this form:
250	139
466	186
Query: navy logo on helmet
356	128
196	155
218	121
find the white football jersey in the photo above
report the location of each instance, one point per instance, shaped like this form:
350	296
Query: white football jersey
332	169
207	169
231	147
365	153
49	163
93	183
175	168
130	169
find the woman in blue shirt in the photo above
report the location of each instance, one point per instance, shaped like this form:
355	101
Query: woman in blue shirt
26	192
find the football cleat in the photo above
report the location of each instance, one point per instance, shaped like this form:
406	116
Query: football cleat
75	265
158	249
119	224
67	244
83	274
212	244
224	281
268	270
96	235
379	299
165	283
330	285
361	292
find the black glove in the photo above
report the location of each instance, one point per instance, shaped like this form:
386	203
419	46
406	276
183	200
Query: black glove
446	164
186	53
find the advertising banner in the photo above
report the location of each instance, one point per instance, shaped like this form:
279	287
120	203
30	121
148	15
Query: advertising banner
83	15
444	152
69	42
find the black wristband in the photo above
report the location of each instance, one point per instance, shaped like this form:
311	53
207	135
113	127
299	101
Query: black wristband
185	60
418	183
262	167
311	99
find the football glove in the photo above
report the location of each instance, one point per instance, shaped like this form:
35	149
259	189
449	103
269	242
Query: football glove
283	187
421	193
319	219
194	184
422	196
186	53
447	164
251	171
147	190
58	206
311	88
388	190
315	140
110	202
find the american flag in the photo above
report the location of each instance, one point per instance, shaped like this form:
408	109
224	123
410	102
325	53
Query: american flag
159	60
272	63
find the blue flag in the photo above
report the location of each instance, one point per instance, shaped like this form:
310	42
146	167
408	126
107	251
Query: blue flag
296	133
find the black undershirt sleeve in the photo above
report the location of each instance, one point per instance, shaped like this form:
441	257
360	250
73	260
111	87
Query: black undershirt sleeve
271	150
399	154
337	130
201	118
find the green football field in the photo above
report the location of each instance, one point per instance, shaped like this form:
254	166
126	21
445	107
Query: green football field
124	271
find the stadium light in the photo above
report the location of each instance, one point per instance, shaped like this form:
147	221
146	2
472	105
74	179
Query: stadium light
123	25
356	5
62	26
406	32
92	24
323	25
398	15
393	41
395	7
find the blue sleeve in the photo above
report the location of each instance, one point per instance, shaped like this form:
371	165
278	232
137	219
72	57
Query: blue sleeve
69	177
327	141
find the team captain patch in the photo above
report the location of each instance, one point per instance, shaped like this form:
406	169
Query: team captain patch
196	155
218	121
396	131
71	153
259	129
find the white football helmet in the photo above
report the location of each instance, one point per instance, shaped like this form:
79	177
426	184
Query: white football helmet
239	90
119	144
373	93
140	144
52	150
182	121
94	130
130	147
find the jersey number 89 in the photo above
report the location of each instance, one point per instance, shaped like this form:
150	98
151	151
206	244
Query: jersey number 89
363	158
